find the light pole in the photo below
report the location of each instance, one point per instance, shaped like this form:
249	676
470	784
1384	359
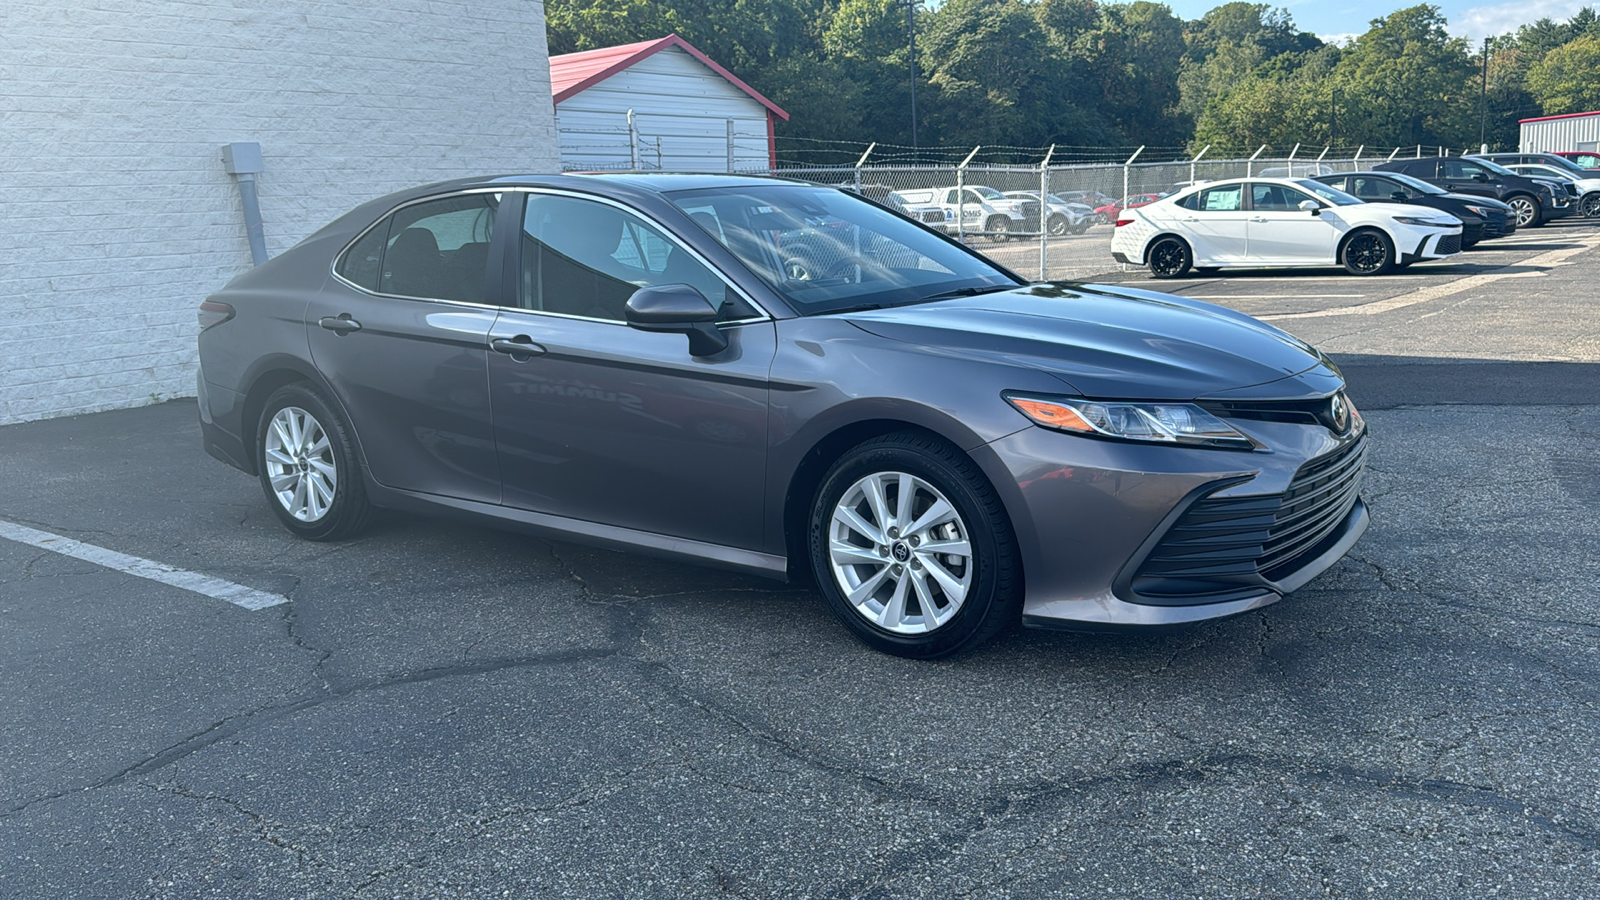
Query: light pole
911	30
1483	95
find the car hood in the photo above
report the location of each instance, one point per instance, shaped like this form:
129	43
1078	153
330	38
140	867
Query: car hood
1108	343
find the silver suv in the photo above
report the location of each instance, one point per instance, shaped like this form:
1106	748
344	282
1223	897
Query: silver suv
984	211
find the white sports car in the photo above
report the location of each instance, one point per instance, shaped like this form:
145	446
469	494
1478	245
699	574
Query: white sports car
1259	222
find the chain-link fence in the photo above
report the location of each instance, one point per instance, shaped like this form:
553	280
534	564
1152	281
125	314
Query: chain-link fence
1054	221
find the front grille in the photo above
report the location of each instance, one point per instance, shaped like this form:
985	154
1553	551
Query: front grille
1450	243
1222	548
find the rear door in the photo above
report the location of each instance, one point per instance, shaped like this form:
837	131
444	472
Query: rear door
400	335
1214	220
1464	177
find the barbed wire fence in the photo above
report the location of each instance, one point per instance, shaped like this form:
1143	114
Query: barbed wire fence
1045	212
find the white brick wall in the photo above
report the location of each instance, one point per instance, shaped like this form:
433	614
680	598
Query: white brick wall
116	215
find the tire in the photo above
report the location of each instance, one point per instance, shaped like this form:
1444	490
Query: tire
308	465
1591	205
906	601
1169	257
1468	245
1101	218
1529	214
1208	270
1367	252
1059	225
998	228
1082	226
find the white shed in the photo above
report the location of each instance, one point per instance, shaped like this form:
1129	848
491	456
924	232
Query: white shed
659	105
1549	134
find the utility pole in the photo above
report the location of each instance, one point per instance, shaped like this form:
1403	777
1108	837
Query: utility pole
1333	119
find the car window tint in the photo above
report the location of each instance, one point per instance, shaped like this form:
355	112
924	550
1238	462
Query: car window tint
1374	188
585	258
1275	198
363	262
1190	202
440	249
1227	198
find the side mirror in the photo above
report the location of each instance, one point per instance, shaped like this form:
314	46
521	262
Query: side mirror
1479	177
1311	206
677	309
1398	196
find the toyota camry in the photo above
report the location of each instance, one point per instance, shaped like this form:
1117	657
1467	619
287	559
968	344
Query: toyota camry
941	447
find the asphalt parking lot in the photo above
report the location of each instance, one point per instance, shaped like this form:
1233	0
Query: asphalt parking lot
441	711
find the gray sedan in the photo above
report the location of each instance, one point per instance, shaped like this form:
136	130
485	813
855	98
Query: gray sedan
630	361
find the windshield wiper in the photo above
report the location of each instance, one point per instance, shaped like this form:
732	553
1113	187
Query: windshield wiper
966	292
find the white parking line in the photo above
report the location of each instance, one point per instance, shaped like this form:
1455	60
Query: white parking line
215	588
1278	296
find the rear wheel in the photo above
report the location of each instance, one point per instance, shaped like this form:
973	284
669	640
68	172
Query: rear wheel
1529	215
1169	258
912	549
998	228
308	465
1059	224
1591	204
1367	252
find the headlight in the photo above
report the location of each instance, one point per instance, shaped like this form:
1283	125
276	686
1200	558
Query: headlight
1170	423
1480	210
1417	220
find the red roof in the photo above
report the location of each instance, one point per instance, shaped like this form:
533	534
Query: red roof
571	73
1567	116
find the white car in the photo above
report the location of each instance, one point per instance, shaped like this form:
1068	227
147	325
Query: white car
1588	188
982	210
1065	217
1260	222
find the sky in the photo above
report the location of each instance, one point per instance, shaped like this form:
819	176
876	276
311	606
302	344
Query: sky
1341	19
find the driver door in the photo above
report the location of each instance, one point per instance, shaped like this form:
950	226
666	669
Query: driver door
598	421
1282	233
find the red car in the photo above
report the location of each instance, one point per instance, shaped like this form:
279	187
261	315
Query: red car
1108	213
1588	159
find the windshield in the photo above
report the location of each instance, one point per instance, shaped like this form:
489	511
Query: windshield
1416	184
1492	166
1328	192
987	193
824	250
1567	166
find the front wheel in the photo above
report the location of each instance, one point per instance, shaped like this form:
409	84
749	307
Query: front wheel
912	549
998	228
1529	215
1169	258
308	465
1367	253
1591	205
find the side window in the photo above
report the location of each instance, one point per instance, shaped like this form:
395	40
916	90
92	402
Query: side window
585	258
1190	202
363	262
439	249
1276	198
1374	188
1455	169
950	197
1227	198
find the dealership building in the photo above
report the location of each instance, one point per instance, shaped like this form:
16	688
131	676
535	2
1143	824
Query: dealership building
120	211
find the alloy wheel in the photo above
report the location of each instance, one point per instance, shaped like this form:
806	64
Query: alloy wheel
900	553
1591	205
1169	258
1367	253
300	464
1525	209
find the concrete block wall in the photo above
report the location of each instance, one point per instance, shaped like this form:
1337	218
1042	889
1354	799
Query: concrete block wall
117	217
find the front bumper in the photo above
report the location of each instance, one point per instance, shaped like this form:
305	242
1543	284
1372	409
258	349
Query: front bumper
1107	528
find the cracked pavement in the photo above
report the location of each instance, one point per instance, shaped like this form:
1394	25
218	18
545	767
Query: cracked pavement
447	711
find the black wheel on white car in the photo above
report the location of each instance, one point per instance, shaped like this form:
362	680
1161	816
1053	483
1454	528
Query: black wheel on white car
1591	204
1367	252
1529	215
1169	257
308	465
913	549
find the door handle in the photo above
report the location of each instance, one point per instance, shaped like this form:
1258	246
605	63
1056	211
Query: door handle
520	347
1259	219
341	324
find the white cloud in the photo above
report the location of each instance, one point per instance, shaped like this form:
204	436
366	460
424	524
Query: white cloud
1343	40
1501	18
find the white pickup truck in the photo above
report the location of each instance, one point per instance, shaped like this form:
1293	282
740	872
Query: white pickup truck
985	211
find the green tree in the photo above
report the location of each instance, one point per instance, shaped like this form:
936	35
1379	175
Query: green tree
1567	80
1406	81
